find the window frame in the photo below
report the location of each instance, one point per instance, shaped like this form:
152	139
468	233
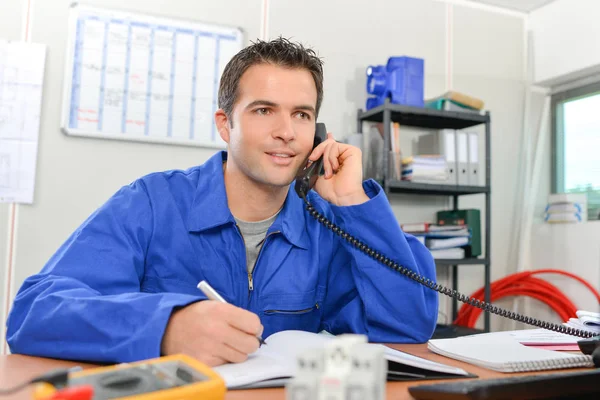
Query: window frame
558	134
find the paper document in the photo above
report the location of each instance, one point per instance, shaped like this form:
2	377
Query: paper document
586	321
21	78
541	336
273	364
589	318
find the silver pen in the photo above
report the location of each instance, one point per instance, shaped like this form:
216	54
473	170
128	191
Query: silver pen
213	295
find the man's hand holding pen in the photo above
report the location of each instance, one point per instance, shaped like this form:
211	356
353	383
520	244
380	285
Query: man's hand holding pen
214	332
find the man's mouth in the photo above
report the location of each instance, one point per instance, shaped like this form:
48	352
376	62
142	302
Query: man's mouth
283	159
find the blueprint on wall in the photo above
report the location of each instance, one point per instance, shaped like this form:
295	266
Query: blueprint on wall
21	82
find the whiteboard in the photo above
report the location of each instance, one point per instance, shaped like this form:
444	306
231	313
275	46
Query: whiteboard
144	78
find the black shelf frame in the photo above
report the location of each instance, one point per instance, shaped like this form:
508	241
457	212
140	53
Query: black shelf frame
462	261
452	331
424	117
419	117
396	186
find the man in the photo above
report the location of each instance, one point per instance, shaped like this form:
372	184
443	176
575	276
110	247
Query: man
123	286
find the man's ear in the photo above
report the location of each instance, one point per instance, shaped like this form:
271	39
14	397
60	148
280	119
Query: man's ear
222	122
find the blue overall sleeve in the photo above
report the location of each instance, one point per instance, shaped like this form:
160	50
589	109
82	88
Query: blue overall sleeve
87	303
367	297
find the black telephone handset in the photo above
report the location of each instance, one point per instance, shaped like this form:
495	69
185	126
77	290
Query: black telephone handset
306	177
305	181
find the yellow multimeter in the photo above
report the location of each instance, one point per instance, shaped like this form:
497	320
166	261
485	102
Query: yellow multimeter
170	377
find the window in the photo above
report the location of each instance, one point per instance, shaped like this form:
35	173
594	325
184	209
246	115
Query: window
576	144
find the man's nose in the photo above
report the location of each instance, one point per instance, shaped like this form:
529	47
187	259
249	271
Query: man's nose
285	129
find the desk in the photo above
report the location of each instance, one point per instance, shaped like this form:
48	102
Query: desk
16	368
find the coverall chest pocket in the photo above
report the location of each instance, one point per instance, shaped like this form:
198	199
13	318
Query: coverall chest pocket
298	311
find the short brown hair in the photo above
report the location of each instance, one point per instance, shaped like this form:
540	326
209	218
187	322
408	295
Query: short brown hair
281	52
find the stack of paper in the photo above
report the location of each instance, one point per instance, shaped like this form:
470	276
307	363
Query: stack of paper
463	101
444	241
425	168
586	320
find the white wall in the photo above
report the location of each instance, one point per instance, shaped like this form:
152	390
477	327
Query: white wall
10	29
573	248
76	175
566	44
11	19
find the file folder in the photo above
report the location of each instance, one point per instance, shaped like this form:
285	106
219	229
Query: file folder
474	173
449	140
462	150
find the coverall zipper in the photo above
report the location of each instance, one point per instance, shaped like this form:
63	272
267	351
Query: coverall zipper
250	274
250	277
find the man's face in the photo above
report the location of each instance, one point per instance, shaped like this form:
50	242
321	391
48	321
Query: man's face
273	124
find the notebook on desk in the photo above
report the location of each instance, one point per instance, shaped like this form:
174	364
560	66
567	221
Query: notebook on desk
273	364
501	352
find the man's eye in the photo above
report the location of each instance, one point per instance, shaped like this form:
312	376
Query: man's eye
303	115
262	111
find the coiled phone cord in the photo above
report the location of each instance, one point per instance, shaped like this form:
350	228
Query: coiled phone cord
437	287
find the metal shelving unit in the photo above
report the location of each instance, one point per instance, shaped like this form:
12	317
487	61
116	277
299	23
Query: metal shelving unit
435	119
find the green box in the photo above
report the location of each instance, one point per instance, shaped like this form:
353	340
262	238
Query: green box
472	219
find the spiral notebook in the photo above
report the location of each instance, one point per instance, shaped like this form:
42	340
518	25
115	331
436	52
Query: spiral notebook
501	352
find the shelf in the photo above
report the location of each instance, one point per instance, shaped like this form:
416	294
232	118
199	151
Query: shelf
425	117
462	261
434	189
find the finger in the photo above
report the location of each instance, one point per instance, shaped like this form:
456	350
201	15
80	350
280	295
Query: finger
318	151
240	341
327	161
211	361
334	153
230	354
345	152
243	320
204	351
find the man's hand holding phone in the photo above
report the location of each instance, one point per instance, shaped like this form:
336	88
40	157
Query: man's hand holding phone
342	183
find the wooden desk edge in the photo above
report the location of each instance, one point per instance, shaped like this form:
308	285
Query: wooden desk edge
15	369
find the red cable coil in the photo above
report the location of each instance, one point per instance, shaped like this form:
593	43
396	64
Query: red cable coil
524	284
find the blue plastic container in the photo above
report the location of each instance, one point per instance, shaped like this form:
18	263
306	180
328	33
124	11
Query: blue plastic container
373	102
377	78
401	80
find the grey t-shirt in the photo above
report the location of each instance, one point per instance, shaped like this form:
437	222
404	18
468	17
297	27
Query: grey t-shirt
254	234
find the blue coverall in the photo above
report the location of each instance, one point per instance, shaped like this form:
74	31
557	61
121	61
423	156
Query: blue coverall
107	294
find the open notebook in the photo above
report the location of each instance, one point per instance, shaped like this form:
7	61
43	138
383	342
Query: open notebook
272	365
502	352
